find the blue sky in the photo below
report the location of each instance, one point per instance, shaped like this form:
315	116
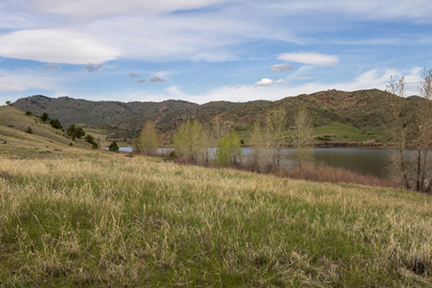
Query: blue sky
209	50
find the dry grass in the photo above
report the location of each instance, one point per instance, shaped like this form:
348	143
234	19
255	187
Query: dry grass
106	220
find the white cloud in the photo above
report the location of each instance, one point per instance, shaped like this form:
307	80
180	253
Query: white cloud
59	46
282	67
95	8
140	81
268	82
309	58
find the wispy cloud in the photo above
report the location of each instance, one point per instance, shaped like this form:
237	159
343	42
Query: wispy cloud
52	66
282	67
93	68
155	79
310	58
140	81
134	75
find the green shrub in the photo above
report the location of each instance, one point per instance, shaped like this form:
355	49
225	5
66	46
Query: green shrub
29	130
28	113
113	147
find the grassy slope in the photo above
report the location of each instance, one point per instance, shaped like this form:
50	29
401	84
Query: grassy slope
13	123
100	219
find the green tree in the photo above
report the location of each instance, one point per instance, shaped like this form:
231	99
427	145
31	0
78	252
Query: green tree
28	113
228	151
148	141
44	118
75	132
55	123
8	102
190	141
303	139
113	147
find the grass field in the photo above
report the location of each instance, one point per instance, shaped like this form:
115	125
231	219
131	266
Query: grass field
101	219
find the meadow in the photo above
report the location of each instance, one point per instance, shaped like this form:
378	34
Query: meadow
100	219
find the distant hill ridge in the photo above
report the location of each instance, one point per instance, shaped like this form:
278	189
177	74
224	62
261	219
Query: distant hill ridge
358	108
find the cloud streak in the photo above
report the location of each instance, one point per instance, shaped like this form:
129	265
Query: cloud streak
52	66
134	75
282	67
309	58
93	68
156	79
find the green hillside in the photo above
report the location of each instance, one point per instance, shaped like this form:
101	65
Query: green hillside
363	110
14	123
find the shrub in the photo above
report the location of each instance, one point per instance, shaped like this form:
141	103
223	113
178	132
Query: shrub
55	123
28	113
113	147
29	130
70	144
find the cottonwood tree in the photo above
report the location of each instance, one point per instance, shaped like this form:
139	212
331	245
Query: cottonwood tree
422	135
397	124
228	151
413	130
259	151
303	139
190	141
148	141
274	135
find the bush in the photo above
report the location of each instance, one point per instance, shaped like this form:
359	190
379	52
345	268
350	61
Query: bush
70	144
113	147
55	123
28	113
29	130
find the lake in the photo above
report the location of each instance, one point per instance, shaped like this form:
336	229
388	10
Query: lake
362	160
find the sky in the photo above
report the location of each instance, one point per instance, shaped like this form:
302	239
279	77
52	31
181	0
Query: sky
209	50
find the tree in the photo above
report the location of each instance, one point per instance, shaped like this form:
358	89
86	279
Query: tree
75	132
303	138
113	147
91	140
275	128
412	130
423	135
190	141
228	151
148	141
8	102
259	151
397	125
55	123
44	118
28	113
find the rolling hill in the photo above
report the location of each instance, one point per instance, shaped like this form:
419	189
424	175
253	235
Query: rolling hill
362	111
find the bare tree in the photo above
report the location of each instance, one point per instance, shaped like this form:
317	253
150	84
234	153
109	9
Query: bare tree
423	134
303	139
274	129
259	151
397	126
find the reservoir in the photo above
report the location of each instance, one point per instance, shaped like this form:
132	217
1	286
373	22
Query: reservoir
362	160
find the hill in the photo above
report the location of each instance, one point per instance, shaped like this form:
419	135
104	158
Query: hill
363	110
14	123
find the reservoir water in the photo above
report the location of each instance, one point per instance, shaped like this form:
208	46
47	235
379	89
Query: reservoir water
362	160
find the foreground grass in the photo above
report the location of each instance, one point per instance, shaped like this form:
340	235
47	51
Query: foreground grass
106	220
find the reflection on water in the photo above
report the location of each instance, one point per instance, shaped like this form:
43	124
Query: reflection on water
362	160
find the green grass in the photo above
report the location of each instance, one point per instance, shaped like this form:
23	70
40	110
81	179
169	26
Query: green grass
342	132
103	220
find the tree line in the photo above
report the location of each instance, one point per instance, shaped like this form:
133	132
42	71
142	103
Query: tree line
217	143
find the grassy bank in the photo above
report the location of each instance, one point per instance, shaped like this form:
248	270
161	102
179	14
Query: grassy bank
106	220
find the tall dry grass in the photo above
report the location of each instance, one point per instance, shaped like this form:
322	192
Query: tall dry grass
111	221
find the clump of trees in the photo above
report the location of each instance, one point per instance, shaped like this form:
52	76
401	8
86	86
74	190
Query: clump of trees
411	132
90	139
75	132
148	140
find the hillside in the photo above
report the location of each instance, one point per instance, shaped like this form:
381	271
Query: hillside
14	123
359	110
